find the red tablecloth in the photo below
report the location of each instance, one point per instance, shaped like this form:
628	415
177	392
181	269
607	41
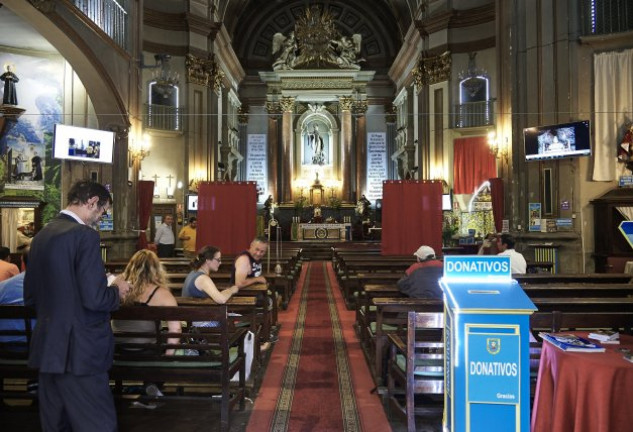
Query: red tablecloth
584	392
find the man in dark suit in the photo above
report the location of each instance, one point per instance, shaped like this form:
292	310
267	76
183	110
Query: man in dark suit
72	344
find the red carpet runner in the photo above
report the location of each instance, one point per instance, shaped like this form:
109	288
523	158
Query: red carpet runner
317	378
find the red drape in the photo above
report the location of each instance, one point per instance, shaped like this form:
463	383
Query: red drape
412	216
144	196
498	197
472	164
227	214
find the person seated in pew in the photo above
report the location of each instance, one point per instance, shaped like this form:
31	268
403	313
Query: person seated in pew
247	270
12	293
199	284
517	261
421	279
489	245
148	280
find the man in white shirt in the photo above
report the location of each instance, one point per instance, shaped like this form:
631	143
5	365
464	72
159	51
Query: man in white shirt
165	239
517	262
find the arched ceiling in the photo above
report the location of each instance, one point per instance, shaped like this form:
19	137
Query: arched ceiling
252	23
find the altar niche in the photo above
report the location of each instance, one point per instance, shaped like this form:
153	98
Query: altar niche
316	147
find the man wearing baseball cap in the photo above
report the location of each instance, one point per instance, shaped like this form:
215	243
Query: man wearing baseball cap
421	278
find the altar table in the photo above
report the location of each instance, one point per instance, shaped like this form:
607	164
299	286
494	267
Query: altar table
324	231
584	392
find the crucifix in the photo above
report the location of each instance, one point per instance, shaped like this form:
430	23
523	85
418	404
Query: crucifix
156	194
170	190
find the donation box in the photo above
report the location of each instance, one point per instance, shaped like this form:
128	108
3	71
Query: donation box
487	323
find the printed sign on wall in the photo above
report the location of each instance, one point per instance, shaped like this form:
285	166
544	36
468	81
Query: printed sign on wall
376	164
256	163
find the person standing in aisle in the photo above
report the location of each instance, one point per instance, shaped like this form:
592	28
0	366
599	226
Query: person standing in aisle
165	239
72	343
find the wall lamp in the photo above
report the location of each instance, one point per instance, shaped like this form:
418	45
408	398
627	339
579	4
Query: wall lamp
139	150
499	147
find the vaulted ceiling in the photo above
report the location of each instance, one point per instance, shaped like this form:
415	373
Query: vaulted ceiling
252	24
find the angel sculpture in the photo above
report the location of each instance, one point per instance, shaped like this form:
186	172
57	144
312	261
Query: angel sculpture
346	51
286	50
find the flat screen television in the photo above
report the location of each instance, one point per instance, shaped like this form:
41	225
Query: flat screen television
82	144
192	202
557	141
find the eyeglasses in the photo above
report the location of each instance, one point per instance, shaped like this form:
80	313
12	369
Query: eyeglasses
219	260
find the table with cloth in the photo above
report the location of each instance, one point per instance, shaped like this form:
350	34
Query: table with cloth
584	392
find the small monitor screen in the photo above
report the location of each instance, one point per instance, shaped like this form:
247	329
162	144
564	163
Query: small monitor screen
192	202
82	144
447	202
557	141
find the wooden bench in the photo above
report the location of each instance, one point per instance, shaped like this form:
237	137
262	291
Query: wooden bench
140	356
14	354
416	367
221	352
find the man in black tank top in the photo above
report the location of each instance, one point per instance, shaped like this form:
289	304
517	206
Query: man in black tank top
247	269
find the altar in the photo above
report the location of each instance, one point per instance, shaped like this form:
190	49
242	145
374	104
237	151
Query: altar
324	232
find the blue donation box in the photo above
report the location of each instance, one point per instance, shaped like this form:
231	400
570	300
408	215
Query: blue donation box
487	323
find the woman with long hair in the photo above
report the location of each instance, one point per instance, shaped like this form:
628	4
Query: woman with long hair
199	283
148	280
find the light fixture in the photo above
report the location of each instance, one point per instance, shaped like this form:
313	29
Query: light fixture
139	149
498	147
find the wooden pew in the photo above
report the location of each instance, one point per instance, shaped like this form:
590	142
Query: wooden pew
14	355
220	352
416	367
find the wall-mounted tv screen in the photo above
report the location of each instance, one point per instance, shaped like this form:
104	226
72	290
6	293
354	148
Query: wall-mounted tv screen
192	202
82	144
557	141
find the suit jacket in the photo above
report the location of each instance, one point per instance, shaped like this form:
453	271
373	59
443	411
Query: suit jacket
67	285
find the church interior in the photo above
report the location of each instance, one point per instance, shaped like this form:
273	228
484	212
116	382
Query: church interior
377	124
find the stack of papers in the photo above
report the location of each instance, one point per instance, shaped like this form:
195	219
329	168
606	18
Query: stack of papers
571	342
605	336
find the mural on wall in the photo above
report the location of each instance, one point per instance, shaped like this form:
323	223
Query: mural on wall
25	146
26	163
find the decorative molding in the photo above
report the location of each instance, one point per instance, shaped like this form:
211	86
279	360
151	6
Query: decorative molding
242	114
346	102
273	107
391	113
360	107
197	70
183	22
287	104
432	70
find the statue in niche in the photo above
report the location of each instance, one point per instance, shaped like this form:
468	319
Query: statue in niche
10	96
315	143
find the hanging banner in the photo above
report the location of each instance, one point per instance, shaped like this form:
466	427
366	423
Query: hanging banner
256	163
376	164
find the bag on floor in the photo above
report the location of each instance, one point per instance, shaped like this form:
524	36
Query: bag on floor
249	347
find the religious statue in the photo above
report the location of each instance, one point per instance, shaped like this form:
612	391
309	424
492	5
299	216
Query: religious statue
346	51
285	48
362	207
10	96
268	204
315	141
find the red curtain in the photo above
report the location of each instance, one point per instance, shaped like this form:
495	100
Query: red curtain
412	216
144	196
227	214
472	164
497	195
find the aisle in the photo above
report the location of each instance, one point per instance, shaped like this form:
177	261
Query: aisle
317	378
